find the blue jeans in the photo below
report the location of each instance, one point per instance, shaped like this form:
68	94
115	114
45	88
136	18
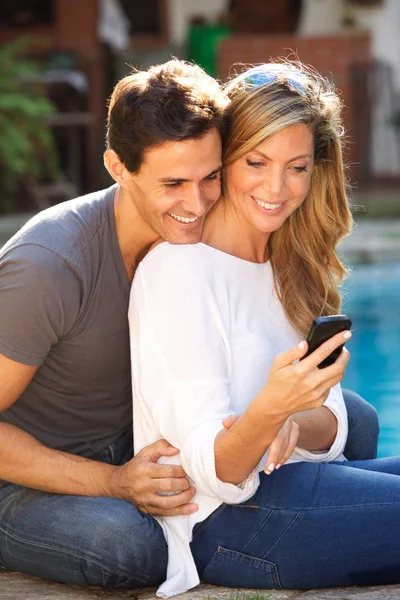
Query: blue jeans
362	441
81	540
103	541
309	525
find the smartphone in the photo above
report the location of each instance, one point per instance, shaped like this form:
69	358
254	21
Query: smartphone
321	330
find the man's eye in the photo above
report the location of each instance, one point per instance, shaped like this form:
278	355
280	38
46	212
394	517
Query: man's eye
213	177
172	185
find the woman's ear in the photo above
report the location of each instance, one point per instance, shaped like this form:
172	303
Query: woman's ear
115	167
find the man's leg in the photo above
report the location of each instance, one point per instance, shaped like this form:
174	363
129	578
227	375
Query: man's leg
362	442
81	540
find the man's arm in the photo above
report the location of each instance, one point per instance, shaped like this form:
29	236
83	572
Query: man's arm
25	461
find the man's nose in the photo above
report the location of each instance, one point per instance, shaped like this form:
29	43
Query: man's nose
195	201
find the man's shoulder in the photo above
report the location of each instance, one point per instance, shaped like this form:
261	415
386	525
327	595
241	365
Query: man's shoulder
65	229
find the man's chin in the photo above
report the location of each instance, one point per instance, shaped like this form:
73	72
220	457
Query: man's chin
189	237
187	240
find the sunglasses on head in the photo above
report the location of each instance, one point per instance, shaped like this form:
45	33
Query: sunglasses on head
264	74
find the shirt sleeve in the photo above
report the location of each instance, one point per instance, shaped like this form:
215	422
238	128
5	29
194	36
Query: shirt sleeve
40	297
180	363
336	404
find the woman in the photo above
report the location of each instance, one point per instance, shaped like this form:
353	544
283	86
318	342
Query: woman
219	329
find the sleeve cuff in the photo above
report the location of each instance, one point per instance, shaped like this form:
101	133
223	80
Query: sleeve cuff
228	492
336	450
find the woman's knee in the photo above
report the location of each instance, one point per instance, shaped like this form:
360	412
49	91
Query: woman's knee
362	441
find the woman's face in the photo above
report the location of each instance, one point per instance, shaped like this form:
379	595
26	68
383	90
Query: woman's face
266	185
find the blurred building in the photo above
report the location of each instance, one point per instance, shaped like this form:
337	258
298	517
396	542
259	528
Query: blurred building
354	42
87	45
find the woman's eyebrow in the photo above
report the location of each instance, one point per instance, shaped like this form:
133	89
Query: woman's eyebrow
288	161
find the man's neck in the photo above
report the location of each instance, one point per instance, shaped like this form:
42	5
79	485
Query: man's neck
135	237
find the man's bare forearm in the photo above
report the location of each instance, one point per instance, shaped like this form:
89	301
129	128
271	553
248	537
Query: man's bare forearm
25	461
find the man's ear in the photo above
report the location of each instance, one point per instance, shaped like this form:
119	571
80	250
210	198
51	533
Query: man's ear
115	167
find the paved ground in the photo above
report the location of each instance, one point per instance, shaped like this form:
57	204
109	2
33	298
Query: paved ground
22	587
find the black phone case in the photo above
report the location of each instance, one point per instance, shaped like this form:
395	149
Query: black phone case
321	330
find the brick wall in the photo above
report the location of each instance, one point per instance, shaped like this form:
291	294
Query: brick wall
334	57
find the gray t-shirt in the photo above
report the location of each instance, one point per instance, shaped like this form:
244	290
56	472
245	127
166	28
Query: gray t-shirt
64	296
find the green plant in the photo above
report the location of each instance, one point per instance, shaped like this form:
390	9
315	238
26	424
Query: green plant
27	150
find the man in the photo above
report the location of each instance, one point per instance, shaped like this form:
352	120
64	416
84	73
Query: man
74	505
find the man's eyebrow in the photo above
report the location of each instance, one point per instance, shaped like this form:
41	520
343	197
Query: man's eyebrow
183	180
288	161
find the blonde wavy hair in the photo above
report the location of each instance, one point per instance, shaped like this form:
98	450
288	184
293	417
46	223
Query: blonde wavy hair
263	101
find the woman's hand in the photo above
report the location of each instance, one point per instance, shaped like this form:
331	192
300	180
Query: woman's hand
283	445
296	386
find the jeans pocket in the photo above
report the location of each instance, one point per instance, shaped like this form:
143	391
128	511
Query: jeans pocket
234	569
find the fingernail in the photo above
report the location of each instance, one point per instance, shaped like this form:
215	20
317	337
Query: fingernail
278	467
347	335
301	346
193	508
269	469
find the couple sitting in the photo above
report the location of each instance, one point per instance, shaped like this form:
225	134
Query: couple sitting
216	329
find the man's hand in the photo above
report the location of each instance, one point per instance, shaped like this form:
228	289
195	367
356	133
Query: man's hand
142	480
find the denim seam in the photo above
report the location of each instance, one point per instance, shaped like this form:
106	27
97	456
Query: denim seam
258	528
61	551
289	526
314	490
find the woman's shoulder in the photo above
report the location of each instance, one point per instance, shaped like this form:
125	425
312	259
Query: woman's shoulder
174	257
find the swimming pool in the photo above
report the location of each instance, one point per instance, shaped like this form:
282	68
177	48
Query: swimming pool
372	300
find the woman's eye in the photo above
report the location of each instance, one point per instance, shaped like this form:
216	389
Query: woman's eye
255	164
300	169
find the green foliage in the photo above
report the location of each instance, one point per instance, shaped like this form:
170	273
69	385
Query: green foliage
27	148
379	206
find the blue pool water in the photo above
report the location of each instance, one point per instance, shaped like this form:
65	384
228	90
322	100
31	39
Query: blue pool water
372	301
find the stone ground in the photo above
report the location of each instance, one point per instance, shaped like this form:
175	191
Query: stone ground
371	241
14	586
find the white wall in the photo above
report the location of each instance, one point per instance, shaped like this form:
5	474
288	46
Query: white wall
383	23
321	17
181	11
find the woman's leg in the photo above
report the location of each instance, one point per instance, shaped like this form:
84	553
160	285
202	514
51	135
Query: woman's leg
362	440
309	525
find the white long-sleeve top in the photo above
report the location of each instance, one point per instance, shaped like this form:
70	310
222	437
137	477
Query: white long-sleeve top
205	328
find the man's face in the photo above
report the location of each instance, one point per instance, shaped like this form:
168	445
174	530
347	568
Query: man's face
177	184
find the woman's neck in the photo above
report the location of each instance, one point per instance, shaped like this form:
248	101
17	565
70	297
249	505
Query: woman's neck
228	231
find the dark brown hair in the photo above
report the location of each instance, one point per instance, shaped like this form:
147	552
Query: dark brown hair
170	102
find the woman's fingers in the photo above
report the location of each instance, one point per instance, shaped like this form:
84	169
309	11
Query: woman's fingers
287	358
320	354
291	445
282	446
